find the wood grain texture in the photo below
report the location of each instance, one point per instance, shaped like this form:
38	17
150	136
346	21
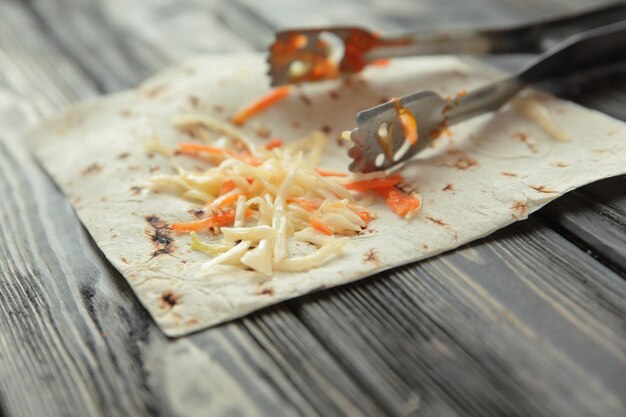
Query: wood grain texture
523	323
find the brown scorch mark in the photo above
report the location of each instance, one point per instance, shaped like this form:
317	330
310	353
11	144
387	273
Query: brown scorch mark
333	94
136	190
160	235
124	260
462	161
520	210
153	92
154	168
523	137
425	246
125	113
169	299
193	101
265	290
408	188
92	169
218	108
371	256
123	155
508	174
326	129
198	213
305	99
103	199
448	187
559	164
437	221
542	189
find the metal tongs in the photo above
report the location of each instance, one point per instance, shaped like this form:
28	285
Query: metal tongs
380	140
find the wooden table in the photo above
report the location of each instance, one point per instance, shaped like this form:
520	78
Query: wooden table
529	321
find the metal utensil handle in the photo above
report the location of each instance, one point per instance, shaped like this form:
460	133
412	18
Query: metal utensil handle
594	48
591	49
534	37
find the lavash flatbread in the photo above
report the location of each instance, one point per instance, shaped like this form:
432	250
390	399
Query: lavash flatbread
492	171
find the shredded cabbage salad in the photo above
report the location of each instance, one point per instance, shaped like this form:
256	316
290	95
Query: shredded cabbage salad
256	200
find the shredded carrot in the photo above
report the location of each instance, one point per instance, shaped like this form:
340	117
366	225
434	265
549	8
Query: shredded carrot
374	184
194	148
228	185
274	143
308	205
228	200
399	202
263	103
365	215
321	227
329	173
218	218
409	125
251	160
383	62
407	120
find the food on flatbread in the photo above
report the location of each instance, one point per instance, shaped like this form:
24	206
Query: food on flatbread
491	171
263	103
258	199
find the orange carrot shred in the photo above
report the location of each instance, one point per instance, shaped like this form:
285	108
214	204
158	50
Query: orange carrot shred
274	143
365	185
399	202
196	147
407	120
329	173
228	200
382	62
364	215
218	218
263	103
227	186
321	227
308	205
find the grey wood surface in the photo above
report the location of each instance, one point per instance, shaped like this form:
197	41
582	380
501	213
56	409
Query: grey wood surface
529	321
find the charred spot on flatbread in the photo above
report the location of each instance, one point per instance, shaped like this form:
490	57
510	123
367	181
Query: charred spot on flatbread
123	155
194	101
371	256
542	189
448	187
519	210
92	169
160	235
523	137
437	221
266	290
305	99
461	161
169	299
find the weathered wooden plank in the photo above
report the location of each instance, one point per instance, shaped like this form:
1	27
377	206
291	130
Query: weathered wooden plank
517	324
601	233
73	330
